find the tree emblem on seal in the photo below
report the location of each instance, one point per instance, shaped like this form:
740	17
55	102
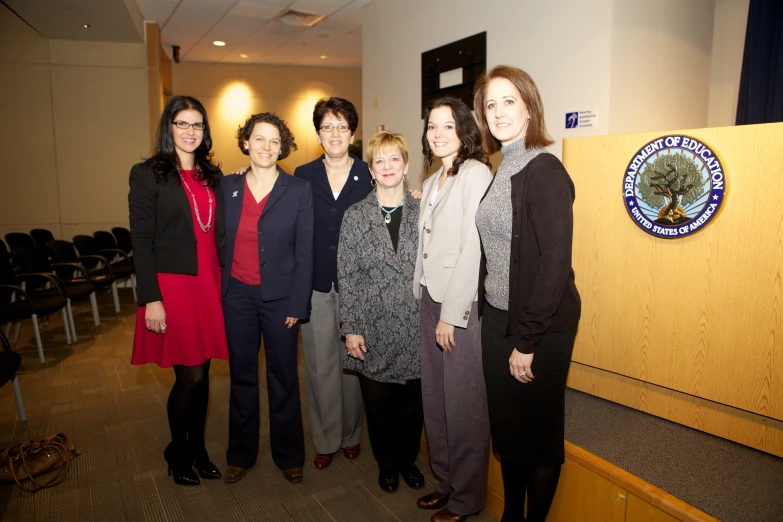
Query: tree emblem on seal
668	183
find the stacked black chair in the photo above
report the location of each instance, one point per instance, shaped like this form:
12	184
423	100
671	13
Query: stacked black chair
18	239
119	262
9	365
34	259
18	304
94	269
41	236
123	238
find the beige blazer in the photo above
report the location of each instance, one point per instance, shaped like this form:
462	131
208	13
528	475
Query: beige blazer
449	249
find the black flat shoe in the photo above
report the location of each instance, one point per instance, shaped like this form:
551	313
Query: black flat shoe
388	480
413	477
180	468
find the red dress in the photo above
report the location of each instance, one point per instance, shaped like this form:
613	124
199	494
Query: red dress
195	331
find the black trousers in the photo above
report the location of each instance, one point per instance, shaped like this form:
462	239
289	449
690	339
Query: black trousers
395	420
248	318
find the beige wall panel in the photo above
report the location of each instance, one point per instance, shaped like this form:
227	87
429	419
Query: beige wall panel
584	496
100	133
638	510
661	57
702	314
728	45
29	169
19	42
758	432
105	54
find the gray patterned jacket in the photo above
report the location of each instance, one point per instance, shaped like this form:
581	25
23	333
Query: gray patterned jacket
376	300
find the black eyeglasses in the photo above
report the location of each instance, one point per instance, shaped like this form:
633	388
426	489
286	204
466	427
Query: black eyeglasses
340	128
184	125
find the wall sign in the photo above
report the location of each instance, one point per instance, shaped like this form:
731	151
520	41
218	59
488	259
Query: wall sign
674	186
452	69
584	119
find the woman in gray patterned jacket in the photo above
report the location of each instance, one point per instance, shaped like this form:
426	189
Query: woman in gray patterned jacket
376	258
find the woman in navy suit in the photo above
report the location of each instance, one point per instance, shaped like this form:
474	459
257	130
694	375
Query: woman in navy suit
267	282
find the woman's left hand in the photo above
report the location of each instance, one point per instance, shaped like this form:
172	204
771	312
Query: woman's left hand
290	321
444	335
520	364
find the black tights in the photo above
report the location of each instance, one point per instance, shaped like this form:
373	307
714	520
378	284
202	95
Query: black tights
187	406
540	485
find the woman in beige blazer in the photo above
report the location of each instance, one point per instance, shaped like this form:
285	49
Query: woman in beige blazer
446	281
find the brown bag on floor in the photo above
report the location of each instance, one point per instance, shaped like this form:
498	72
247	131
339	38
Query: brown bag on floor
28	459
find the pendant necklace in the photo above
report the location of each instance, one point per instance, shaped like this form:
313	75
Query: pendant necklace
387	218
203	227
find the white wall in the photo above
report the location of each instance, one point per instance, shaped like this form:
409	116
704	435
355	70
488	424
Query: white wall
731	18
644	65
565	45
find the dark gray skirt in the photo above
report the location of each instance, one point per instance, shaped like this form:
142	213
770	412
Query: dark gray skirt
526	420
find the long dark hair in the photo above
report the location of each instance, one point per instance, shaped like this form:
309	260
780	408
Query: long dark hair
467	131
164	161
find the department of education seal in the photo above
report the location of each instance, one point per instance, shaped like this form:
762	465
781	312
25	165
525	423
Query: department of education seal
674	186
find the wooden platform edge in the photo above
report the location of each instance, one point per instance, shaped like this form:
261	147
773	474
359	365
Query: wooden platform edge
632	484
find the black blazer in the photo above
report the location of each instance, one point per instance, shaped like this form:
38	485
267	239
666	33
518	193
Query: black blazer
285	240
329	214
162	232
542	291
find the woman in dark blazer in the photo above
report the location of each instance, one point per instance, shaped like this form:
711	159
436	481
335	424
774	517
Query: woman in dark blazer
339	179
529	302
380	315
267	281
176	220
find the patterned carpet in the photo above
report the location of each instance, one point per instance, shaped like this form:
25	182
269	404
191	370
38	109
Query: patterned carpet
116	415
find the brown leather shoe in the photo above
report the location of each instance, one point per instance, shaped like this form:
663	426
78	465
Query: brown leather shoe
444	515
433	501
351	452
293	475
233	474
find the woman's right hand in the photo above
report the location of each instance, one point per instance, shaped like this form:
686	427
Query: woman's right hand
155	317
355	346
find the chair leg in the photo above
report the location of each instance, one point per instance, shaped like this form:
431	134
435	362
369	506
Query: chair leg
16	332
38	338
8	330
18	397
133	285
94	305
116	297
65	326
70	316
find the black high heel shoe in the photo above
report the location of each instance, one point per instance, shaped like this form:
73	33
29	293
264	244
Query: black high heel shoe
180	467
206	469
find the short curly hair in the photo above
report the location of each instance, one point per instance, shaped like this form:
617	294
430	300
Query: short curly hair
287	142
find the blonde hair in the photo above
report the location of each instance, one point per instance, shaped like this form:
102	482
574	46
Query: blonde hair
385	140
536	134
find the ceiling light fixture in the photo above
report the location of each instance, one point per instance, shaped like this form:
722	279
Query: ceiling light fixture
243	55
219	43
323	57
86	26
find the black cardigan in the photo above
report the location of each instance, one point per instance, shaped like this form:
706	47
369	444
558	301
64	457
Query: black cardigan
162	231
542	292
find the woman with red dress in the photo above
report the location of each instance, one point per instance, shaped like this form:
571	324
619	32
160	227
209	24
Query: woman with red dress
176	221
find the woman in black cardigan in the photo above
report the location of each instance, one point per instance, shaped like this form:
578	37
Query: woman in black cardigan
176	219
528	300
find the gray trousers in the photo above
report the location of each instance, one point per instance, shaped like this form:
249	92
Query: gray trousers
456	418
333	395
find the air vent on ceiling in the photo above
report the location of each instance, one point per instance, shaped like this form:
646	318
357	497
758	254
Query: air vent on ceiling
300	18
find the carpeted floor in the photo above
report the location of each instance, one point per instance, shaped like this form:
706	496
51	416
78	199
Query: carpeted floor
116	415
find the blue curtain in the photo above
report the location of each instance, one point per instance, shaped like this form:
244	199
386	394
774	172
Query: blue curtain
761	83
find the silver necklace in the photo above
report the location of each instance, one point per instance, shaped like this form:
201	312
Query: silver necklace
204	227
387	218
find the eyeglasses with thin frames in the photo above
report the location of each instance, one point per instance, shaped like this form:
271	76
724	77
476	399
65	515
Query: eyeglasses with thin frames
185	125
340	128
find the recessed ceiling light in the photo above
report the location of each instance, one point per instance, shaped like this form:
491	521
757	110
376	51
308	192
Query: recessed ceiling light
243	55
86	26
323	57
219	43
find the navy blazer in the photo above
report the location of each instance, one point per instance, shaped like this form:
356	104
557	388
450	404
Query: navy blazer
329	214
285	240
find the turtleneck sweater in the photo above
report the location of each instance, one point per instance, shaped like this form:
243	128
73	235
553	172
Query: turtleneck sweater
494	217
